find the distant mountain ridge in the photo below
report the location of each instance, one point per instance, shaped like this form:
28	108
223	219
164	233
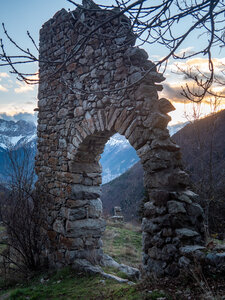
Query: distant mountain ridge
15	134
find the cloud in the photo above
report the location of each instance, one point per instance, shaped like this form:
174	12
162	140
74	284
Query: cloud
185	52
23	88
202	64
173	92
19	116
3	89
198	63
174	84
4	75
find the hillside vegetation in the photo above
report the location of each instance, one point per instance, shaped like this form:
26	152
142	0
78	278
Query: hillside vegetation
125	191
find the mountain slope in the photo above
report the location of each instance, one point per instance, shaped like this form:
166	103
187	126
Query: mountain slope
125	191
203	148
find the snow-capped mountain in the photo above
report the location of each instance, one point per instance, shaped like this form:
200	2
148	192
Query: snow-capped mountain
118	156
13	137
174	128
15	134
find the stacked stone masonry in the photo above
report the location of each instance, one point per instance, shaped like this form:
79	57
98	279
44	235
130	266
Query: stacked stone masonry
93	84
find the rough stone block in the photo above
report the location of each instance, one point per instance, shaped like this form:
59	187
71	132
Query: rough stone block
78	213
165	106
113	118
85	192
160	197
191	249
156	267
136	54
79	167
85	228
126	123
179	178
175	207
62	112
95	208
186	233
155	253
144	91
195	210
157	120
78	111
169	251
149	226
58	226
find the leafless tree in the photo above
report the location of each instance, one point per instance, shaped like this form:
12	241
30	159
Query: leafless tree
167	23
199	84
20	214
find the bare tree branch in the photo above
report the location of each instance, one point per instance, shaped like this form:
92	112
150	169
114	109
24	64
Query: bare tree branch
151	23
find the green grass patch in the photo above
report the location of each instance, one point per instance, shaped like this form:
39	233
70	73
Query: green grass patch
123	243
68	284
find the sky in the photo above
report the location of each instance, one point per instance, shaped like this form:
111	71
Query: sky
18	100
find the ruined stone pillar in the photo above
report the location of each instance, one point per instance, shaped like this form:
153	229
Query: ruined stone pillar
94	83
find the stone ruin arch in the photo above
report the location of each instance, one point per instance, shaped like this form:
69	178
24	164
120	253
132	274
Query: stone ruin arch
92	86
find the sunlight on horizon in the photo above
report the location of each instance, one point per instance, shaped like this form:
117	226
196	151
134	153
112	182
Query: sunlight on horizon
190	111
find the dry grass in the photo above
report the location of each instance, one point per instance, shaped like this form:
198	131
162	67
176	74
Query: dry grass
122	241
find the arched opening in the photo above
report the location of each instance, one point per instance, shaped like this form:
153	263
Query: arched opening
85	219
122	192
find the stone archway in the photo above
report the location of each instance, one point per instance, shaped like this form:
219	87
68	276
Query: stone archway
107	86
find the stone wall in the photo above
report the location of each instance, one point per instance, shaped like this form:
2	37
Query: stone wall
94	83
